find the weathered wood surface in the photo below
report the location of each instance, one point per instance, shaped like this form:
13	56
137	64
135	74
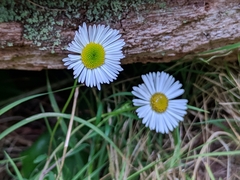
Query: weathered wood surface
156	36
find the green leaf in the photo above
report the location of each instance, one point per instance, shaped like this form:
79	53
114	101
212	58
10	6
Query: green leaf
40	158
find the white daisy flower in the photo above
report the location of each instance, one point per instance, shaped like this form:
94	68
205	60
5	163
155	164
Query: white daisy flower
99	53
157	107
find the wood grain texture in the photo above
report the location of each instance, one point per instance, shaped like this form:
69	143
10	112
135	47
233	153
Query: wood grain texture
159	35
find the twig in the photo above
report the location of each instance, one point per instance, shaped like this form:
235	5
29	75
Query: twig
69	131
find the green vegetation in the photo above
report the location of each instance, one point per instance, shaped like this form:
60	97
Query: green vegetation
107	139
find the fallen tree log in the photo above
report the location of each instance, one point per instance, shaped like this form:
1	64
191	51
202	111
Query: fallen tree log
160	35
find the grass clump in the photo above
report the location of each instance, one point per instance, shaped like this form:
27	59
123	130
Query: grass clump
108	141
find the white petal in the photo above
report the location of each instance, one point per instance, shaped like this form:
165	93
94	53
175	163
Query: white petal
159	126
174	122
168	121
160	81
175	115
104	35
171	120
179	101
88	77
149	117
147	79
77	70
153	122
174	87
143	111
179	112
110	74
101	30
174	94
101	75
90	32
140	102
115	45
168	83
114	57
82	77
84	36
140	93
114	65
74	63
66	59
73	57
77	43
99	86
162	124
178	104
110	37
94	78
112	69
146	121
74	47
112	41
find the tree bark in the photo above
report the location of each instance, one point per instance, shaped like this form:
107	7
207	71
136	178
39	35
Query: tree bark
161	35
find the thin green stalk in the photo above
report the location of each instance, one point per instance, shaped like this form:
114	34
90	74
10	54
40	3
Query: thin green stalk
14	166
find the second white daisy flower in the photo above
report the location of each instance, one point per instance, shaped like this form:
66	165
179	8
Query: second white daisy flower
156	104
99	53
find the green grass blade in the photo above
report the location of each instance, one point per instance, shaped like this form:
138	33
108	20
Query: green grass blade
210	173
12	105
66	116
225	153
142	170
227	48
14	166
196	109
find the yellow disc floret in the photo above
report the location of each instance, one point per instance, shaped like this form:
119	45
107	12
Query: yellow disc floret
93	55
159	102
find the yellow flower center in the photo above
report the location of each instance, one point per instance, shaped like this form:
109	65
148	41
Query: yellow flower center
159	102
93	55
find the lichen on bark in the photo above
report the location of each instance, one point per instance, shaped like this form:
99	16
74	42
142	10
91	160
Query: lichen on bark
45	20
